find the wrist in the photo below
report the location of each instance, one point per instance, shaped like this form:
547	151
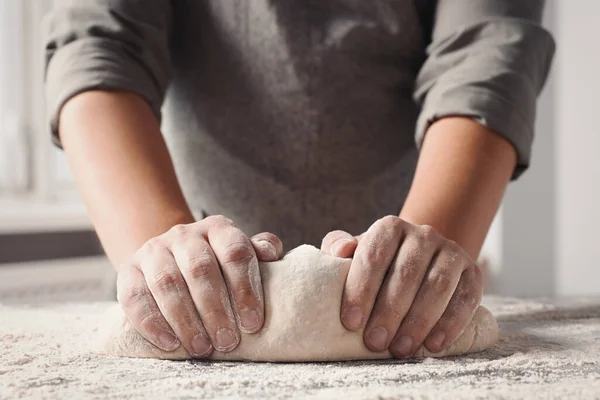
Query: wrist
461	176
147	228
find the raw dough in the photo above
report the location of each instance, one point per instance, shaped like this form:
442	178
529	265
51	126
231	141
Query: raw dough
303	292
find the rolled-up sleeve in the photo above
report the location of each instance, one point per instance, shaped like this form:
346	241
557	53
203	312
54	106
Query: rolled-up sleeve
106	45
487	60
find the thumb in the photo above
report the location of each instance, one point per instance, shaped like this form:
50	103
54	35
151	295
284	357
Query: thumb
339	244
267	246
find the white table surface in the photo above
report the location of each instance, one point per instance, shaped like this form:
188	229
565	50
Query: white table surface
547	349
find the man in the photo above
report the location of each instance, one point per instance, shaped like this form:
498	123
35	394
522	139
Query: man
297	118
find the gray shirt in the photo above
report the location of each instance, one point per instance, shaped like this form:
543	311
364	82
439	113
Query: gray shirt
303	116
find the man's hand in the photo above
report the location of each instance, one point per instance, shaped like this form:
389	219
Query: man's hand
407	285
196	284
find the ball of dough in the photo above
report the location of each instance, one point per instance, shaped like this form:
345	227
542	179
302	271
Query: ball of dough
303	293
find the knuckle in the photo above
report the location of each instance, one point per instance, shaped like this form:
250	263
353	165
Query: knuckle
243	293
374	253
373	256
167	280
336	233
417	242
150	322
428	233
409	271
416	323
454	252
238	253
468	299
332	237
440	281
200	267
393	224
130	296
454	262
218	220
275	241
448	320
269	237
215	316
189	321
393	311
178	230
390	220
153	244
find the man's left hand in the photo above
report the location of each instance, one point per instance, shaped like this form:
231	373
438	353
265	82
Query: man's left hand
407	285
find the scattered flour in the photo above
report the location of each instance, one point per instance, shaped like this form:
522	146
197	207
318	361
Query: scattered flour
546	350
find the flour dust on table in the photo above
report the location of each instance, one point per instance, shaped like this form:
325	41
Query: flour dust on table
303	293
546	350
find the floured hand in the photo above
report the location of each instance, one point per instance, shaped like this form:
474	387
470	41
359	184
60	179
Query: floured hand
197	286
408	286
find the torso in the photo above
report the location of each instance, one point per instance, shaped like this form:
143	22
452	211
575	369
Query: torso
294	117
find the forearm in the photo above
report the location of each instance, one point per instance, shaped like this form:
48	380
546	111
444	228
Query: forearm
122	167
461	176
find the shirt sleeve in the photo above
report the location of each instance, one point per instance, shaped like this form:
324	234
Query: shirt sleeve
487	60
106	45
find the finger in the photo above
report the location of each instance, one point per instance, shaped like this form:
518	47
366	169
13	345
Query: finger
339	244
202	275
459	312
141	309
267	246
373	256
173	298
431	300
239	267
399	288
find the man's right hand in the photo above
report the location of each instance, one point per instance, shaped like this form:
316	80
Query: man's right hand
197	285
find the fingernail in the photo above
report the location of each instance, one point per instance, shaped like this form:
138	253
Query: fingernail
352	318
226	340
168	341
378	337
201	345
249	319
437	339
336	248
403	346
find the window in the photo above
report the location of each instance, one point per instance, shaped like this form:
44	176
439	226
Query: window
37	192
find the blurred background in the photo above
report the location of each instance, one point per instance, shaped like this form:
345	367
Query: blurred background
542	243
